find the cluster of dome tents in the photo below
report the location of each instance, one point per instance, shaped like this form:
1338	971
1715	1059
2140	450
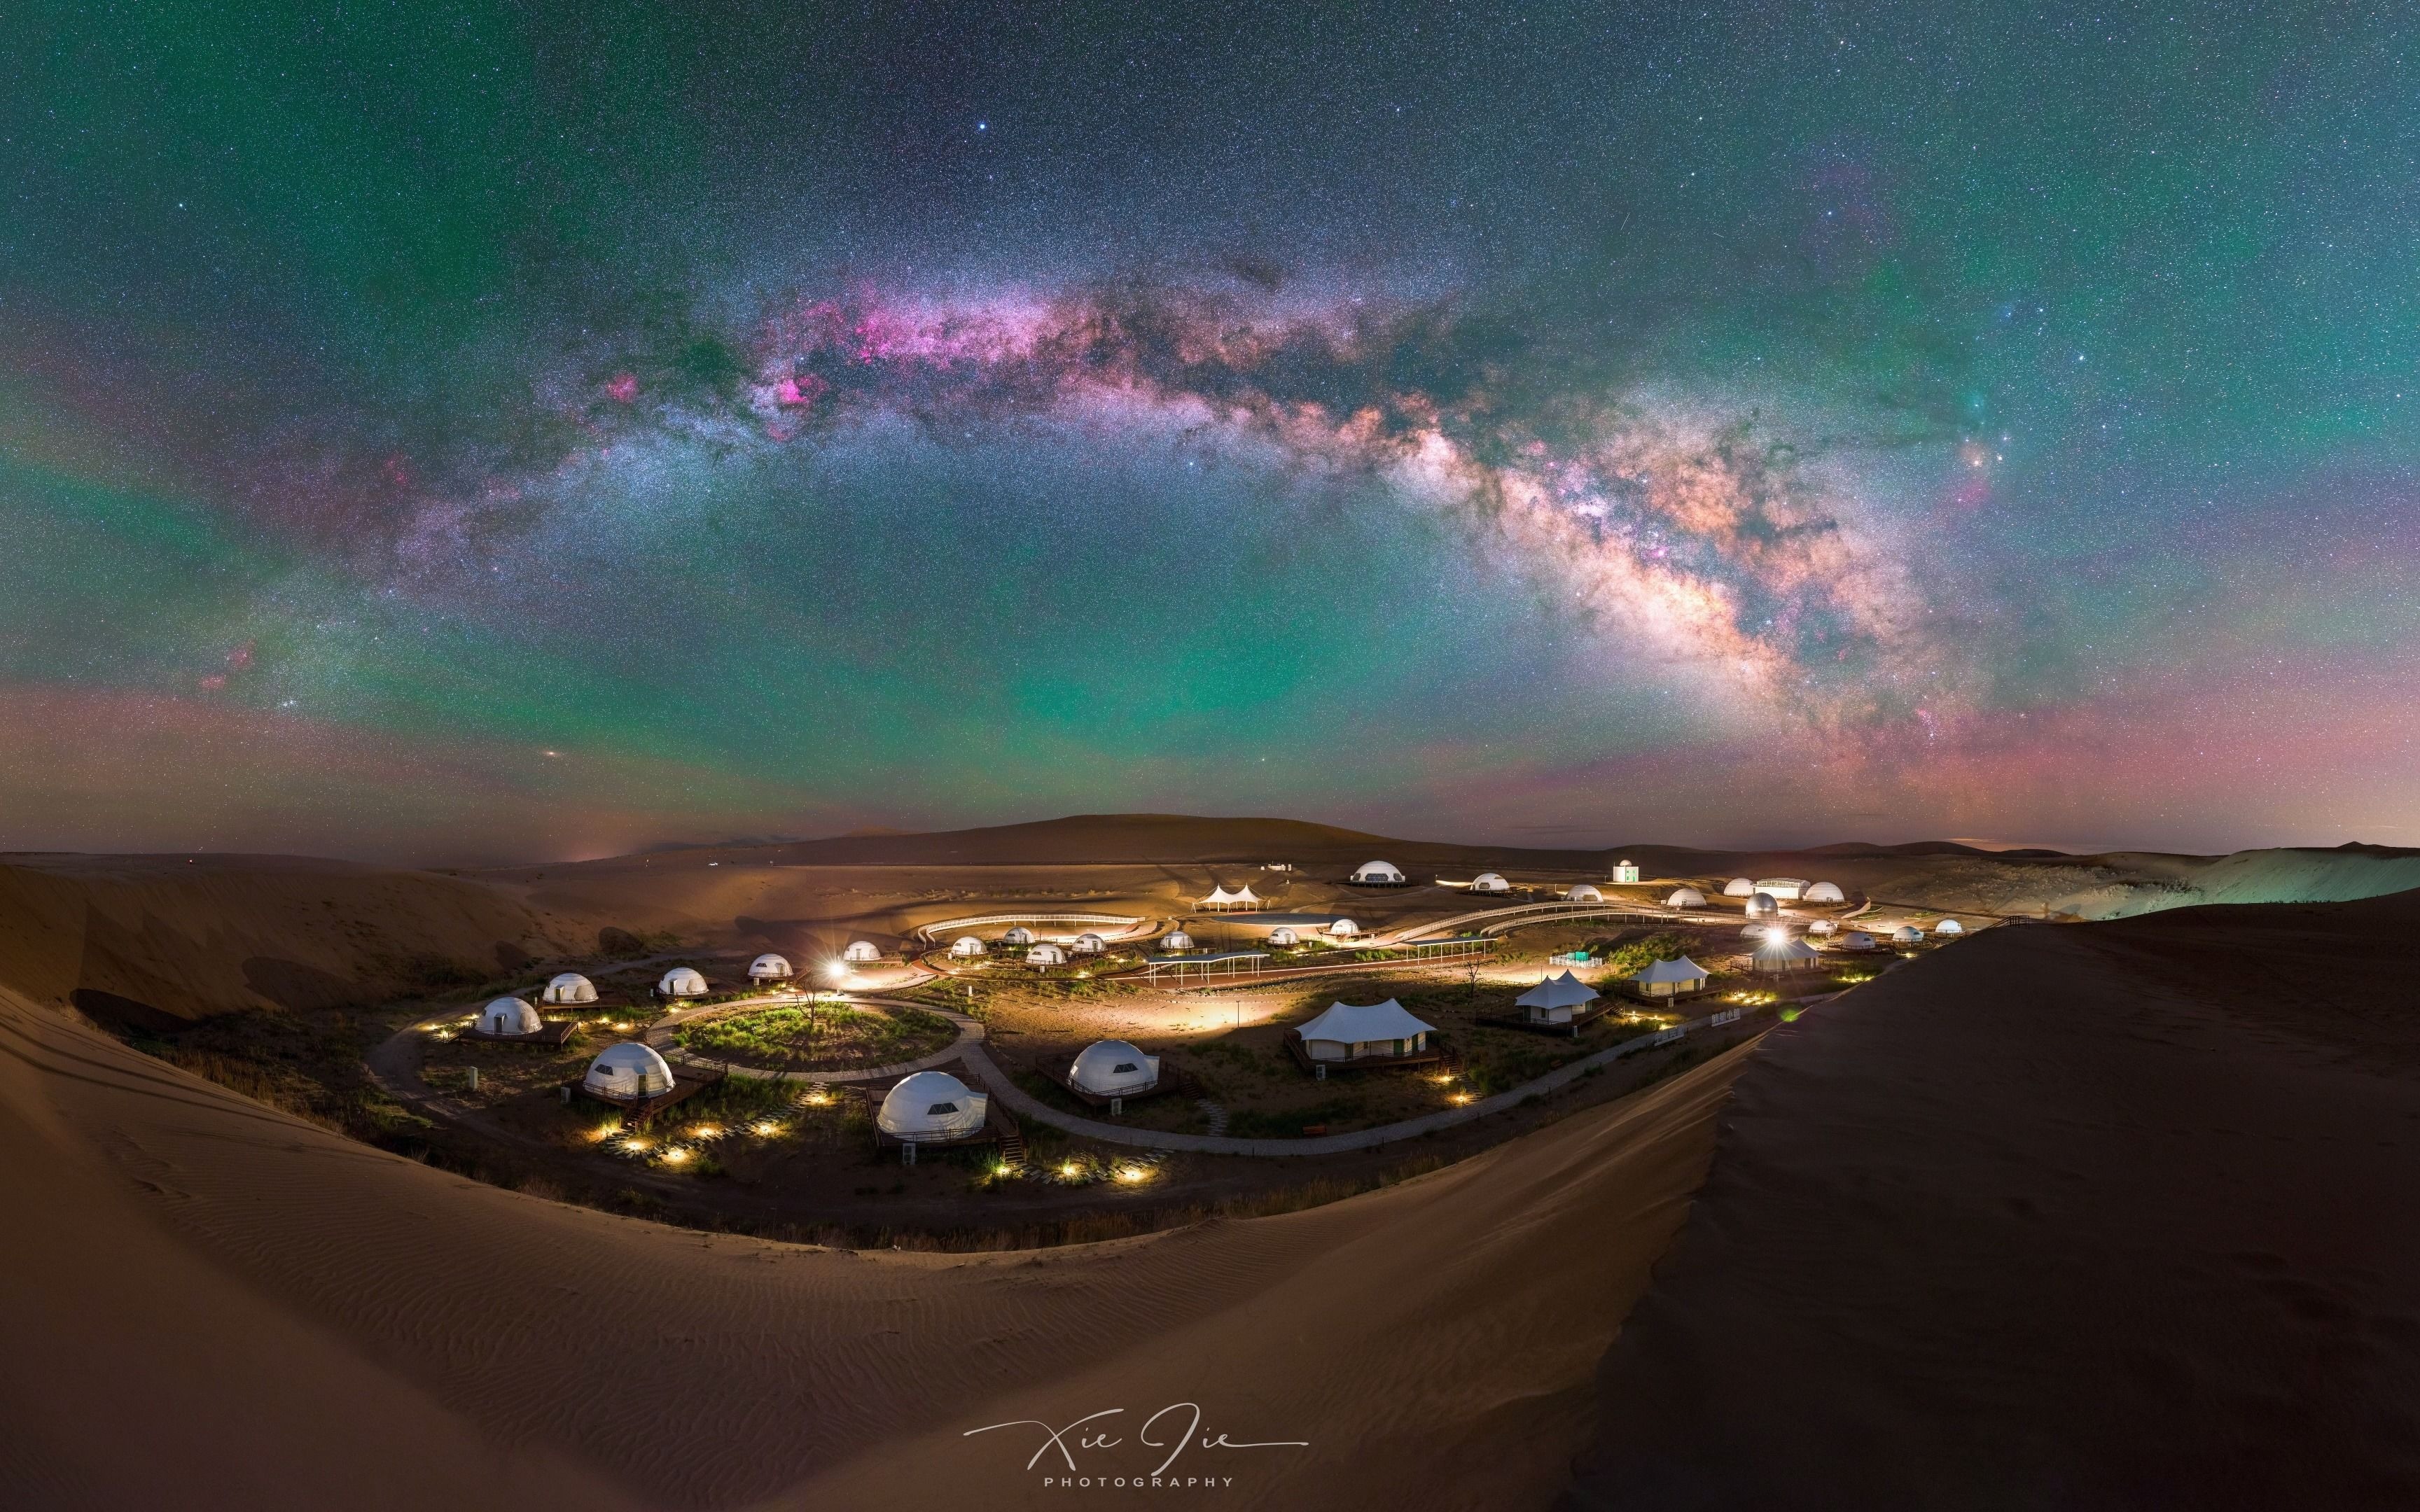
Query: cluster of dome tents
1040	952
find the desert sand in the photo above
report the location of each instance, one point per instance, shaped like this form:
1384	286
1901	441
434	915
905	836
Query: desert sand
2100	1217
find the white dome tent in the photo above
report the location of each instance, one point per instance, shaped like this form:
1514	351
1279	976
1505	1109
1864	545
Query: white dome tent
681	982
1738	888
627	1073
1490	881
1113	1068
1583	893
1950	927
1176	939
1378	874
1343	929
1825	892
769	967
1283	937
1762	929
1089	945
569	989
1760	906
509	1015
1856	939
1686	897
1555	1000
1823	926
966	948
931	1107
1908	934
1047	954
1669	978
1019	936
860	952
1364	1031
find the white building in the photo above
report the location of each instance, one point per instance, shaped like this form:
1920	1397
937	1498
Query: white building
1176	939
1825	892
1583	893
1669	978
509	1015
681	982
1112	1068
769	967
1625	873
1368	1031
1555	999
862	951
628	1072
1686	897
1381	874
1047	954
1490	881
1789	890
931	1107
967	947
1760	906
1738	888
567	989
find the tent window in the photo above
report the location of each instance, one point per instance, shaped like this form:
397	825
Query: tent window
1126	1066
943	1107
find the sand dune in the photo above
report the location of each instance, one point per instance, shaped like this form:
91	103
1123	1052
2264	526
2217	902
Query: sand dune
275	1316
2097	1217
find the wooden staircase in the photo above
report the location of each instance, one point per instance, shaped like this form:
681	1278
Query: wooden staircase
1011	1147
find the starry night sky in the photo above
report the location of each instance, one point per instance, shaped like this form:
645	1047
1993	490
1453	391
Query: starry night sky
461	433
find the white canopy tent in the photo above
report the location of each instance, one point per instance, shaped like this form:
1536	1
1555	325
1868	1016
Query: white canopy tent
860	951
1825	892
568	988
1378	871
1556	1000
509	1015
769	967
931	1107
626	1071
1785	955
681	982
1669	978
1113	1068
1686	897
1360	1031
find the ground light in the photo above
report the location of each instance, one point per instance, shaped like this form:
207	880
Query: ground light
1068	1171
1131	1173
767	1128
676	1156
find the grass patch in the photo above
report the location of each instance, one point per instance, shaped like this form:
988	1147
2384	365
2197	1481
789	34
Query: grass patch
818	1036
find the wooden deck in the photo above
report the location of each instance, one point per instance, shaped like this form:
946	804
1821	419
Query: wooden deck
1431	1055
549	1034
1578	1021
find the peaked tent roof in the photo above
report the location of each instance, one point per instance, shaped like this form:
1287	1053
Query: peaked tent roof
1364	1023
1565	991
1786	950
1684	970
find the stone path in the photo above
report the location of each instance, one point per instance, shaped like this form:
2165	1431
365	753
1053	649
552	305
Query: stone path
1212	1114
